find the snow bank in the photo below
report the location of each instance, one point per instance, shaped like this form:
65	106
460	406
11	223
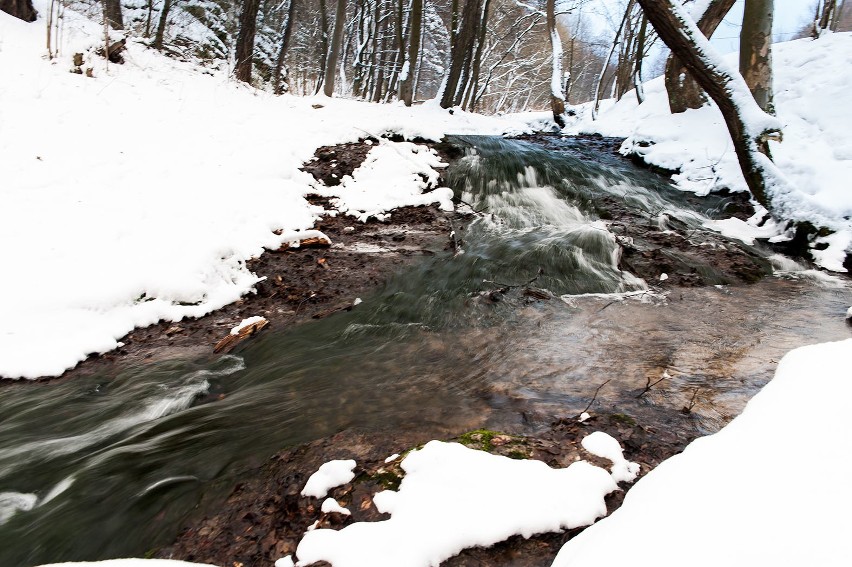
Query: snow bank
812	79
138	195
453	497
768	489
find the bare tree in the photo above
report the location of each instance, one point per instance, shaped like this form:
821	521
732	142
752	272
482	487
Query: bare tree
334	49
557	94
406	84
277	86
615	43
825	17
748	125
245	40
113	14
684	93
638	80
161	25
460	52
756	51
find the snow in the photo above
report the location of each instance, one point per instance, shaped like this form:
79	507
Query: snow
246	322
605	446
332	505
849	313
138	195
815	159
330	475
766	490
453	497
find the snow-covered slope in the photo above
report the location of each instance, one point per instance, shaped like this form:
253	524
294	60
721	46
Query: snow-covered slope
813	81
138	194
768	489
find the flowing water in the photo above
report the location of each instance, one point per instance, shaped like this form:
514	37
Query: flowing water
110	465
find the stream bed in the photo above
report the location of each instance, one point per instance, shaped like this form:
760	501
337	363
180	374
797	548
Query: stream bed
552	300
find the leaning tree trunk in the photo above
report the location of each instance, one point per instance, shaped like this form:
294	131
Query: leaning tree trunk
756	51
557	95
334	50
684	93
748	125
245	40
406	83
22	9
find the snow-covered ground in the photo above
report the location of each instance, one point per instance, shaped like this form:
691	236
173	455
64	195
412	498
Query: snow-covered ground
812	98
137	195
768	489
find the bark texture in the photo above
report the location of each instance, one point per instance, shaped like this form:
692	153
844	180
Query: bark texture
161	25
113	14
557	96
725	87
406	85
684	93
461	52
245	40
22	9
279	86
334	49
756	51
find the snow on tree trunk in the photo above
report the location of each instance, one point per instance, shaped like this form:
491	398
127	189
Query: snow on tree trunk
461	52
747	123
684	93
557	96
756	51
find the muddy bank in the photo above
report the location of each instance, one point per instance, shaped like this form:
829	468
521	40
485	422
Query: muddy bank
304	283
264	517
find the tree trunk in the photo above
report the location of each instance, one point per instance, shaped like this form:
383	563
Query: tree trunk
323	44
824	18
113	14
22	9
615	41
460	53
161	25
640	56
334	50
748	125
406	85
245	40
557	95
756	51
472	81
684	93
277	86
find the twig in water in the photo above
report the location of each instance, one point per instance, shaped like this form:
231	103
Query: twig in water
688	408
595	396
649	384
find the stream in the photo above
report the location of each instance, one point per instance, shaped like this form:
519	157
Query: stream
534	311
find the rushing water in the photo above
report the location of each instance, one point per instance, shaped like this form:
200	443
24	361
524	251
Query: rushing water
108	466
